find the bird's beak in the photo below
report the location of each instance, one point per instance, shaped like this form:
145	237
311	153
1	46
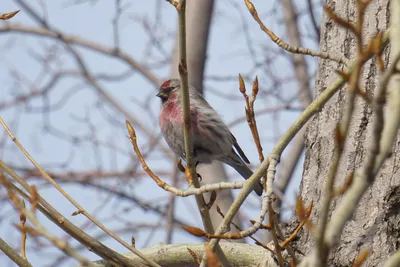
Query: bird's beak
162	95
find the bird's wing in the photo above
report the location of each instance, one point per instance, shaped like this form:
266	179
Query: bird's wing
239	150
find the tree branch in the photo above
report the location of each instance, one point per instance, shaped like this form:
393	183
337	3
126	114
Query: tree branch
178	255
14	256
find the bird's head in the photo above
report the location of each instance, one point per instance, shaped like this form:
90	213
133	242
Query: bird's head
167	88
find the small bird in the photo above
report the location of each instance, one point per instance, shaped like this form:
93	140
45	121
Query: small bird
212	139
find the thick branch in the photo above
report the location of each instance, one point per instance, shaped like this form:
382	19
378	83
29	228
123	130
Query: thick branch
14	256
178	255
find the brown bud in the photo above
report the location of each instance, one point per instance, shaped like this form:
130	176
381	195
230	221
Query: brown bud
212	260
194	256
255	86
77	212
300	208
9	15
195	231
131	131
242	86
219	209
308	210
35	197
250	7
361	258
22	216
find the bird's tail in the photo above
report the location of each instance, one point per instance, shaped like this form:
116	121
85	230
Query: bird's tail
238	164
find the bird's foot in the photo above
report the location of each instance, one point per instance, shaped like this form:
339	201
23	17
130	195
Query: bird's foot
186	171
180	166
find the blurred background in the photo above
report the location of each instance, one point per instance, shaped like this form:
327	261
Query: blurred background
72	72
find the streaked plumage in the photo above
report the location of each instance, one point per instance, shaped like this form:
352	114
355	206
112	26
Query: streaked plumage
212	139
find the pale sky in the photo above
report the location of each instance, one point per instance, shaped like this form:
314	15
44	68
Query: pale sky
228	55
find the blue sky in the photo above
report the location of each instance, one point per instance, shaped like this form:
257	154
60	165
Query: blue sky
230	52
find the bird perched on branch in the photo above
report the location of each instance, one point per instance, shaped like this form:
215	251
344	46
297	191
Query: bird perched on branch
212	139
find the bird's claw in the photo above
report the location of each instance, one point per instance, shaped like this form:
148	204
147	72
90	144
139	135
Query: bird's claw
185	170
180	166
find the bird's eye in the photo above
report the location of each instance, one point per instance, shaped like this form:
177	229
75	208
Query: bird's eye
167	90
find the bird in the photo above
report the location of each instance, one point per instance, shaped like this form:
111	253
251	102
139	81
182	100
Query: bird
212	139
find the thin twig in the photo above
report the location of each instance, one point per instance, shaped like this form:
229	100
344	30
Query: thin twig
52	214
313	20
39	229
278	251
286	46
81	210
191	169
258	242
183	193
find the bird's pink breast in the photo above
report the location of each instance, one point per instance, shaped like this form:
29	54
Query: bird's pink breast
170	113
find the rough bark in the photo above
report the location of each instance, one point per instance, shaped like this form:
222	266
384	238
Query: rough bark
376	222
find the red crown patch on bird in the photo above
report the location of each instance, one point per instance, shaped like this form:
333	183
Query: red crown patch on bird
166	84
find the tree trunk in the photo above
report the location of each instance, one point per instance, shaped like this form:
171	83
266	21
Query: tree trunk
375	225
